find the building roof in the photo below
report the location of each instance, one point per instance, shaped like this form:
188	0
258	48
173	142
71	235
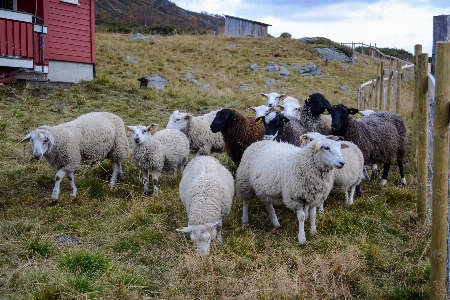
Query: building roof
227	16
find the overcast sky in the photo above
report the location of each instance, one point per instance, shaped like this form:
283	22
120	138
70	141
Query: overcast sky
394	24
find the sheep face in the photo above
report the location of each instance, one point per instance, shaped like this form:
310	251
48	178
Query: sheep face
224	119
274	123
178	120
329	153
260	111
317	103
201	235
142	133
340	118
41	142
273	99
289	109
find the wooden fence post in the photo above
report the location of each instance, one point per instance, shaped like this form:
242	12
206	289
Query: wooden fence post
399	86
389	92
375	94
439	230
422	134
381	86
417	51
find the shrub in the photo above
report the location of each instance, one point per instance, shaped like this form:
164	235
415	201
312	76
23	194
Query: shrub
285	35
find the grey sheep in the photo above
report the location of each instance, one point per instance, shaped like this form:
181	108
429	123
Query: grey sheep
89	138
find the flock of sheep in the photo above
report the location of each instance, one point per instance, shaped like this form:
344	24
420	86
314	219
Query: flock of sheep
286	153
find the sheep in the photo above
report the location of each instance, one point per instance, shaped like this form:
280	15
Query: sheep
89	138
310	113
165	149
347	178
207	191
380	137
274	99
238	132
281	129
280	173
197	130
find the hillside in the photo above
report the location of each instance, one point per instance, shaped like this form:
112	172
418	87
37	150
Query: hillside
120	244
153	13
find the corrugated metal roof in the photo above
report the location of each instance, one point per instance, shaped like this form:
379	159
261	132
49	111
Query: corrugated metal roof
227	16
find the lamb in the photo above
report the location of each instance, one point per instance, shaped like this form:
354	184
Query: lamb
165	149
207	191
238	132
274	99
380	137
310	113
347	178
276	181
281	129
197	130
89	138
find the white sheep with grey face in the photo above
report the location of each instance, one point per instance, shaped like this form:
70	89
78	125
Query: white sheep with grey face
206	191
274	99
201	139
166	149
280	173
90	138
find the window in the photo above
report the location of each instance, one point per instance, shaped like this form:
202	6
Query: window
70	1
6	4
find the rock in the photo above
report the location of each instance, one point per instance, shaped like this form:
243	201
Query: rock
65	238
141	37
254	67
271	66
310	70
223	77
190	75
232	47
270	81
131	59
308	40
206	86
284	73
242	87
156	82
333	54
343	88
194	82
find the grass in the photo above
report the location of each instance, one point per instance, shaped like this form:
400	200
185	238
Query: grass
129	249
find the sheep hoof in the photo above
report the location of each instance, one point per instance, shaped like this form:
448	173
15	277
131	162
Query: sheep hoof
301	239
383	181
73	193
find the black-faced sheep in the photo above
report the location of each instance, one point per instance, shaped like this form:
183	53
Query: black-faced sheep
238	132
90	138
380	137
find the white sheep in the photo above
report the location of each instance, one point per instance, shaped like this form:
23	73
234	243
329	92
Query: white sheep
277	173
274	99
90	138
201	138
206	190
166	149
348	177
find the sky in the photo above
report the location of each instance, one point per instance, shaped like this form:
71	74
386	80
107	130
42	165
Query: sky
386	23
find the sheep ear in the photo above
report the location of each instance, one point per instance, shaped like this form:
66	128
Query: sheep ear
271	109
318	146
259	120
308	99
279	107
27	137
344	146
285	120
212	225
352	111
250	110
132	128
332	137
176	111
262	95
282	96
188	117
303	138
185	229
326	111
50	138
152	127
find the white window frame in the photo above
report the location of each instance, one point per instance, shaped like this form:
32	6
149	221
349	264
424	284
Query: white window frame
71	1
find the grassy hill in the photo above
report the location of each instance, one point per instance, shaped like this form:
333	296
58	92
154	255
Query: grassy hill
129	249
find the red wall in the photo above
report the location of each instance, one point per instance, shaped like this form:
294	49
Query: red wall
71	31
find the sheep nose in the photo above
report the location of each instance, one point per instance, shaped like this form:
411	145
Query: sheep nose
136	140
270	104
37	156
341	163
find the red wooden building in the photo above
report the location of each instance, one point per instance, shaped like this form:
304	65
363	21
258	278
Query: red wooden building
47	40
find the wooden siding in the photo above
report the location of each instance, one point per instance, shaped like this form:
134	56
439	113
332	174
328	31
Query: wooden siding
16	38
71	35
242	27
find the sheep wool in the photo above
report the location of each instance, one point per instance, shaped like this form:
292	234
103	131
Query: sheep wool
280	173
206	191
167	149
238	132
90	138
201	139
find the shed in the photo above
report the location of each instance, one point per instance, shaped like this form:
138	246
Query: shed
47	40
243	27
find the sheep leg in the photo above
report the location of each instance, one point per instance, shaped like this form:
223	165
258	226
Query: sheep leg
301	226
358	190
58	177
402	171
306	211
312	216
321	207
115	172
73	188
245	211
272	215
155	176
219	234
145	180
385	173
349	199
